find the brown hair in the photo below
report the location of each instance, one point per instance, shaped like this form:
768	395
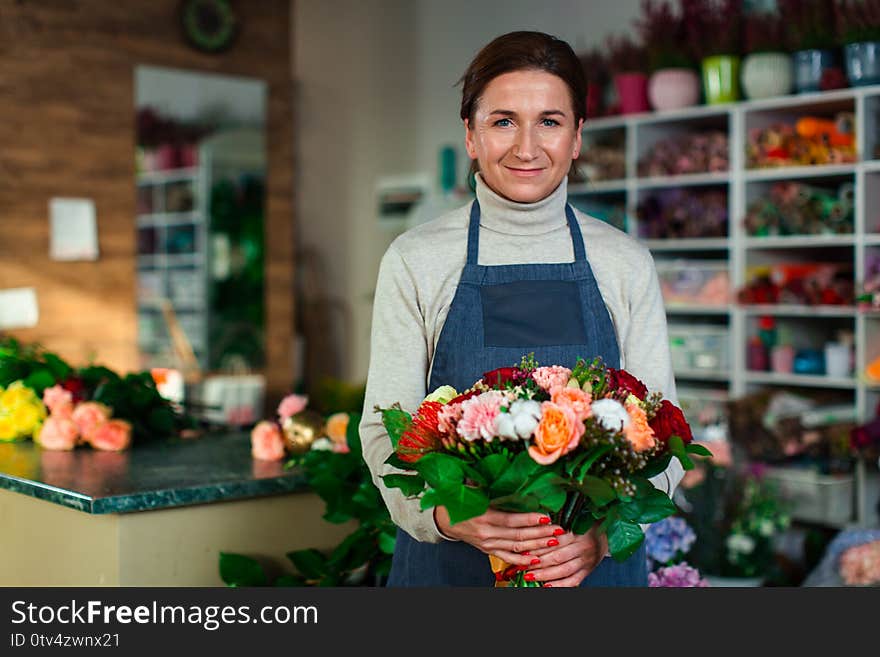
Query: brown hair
518	51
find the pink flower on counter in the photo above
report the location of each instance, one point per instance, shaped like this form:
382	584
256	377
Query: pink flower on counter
87	416
291	405
112	436
58	433
59	401
266	442
551	377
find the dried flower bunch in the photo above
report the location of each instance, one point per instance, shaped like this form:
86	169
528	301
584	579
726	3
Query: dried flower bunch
712	27
857	21
809	23
764	32
663	32
625	55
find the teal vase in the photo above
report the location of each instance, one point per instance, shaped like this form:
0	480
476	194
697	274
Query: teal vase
721	79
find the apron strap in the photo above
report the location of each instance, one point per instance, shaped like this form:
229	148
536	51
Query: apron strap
473	245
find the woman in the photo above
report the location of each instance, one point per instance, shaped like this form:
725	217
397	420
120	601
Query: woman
517	271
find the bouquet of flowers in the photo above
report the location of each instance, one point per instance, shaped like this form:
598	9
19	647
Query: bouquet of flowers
579	445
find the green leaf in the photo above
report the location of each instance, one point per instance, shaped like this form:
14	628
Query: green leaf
59	369
624	538
656	465
310	563
652	507
592	456
289	580
396	421
352	434
545	485
387	542
583	523
493	466
440	470
686	462
676	446
40	379
598	490
409	485
239	570
699	450
462	502
396	462
515	476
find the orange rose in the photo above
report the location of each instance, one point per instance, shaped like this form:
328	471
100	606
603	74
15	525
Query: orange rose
112	436
266	442
577	399
337	427
557	433
639	433
57	433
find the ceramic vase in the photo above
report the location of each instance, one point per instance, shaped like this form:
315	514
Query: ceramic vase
721	79
809	66
632	92
862	63
766	74
673	88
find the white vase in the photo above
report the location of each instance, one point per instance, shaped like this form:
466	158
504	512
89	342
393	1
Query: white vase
673	88
767	74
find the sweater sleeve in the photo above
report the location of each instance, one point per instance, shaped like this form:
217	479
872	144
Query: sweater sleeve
397	373
646	349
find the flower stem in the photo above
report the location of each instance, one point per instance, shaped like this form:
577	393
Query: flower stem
573	501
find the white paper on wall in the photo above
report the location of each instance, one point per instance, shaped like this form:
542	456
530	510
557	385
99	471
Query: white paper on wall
18	308
73	231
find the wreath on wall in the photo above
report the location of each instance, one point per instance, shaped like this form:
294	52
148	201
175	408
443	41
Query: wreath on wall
209	25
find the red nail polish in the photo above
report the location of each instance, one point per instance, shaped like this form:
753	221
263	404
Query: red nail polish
552	542
559	531
529	577
545	520
526	554
534	562
548	586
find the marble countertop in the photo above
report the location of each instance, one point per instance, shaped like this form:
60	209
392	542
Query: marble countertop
156	475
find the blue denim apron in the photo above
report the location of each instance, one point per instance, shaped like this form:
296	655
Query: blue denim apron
498	315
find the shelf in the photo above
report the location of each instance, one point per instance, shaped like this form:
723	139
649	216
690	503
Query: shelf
783	310
701	375
685	180
598	187
872	240
811	171
688	244
799	241
168	219
171	175
806	380
682	309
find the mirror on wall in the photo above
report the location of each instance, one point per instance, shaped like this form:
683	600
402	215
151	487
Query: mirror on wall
201	201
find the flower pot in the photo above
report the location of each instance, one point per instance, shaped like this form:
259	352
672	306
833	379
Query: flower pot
809	66
766	74
632	92
862	63
716	581
721	79
673	88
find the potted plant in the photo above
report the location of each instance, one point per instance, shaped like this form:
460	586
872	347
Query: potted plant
714	30
766	69
595	67
673	83
811	27
627	62
858	29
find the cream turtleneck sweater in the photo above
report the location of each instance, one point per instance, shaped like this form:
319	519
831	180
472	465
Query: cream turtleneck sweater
417	280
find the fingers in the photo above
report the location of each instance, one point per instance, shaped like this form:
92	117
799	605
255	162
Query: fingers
569	563
505	519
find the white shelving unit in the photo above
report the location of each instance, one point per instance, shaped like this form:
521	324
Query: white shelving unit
740	250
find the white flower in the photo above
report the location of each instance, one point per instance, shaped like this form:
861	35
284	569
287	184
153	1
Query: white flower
766	528
740	543
611	414
322	444
520	420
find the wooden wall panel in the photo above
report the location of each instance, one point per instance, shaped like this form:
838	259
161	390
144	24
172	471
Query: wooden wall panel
67	129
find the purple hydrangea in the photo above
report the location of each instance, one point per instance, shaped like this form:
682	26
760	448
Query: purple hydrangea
678	576
668	538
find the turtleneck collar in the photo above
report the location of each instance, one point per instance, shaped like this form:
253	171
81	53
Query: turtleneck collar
506	216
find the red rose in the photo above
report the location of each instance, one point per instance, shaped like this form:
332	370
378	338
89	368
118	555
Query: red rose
75	386
502	376
669	421
623	380
463	396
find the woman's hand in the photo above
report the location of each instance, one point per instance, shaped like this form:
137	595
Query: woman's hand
508	536
568	563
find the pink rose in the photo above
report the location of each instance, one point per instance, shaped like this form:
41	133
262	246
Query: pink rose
58	433
266	442
59	401
577	399
551	377
291	405
87	416
112	436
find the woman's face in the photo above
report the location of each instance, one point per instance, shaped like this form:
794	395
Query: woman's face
524	134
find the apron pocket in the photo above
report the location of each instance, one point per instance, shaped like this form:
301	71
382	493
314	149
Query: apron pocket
532	314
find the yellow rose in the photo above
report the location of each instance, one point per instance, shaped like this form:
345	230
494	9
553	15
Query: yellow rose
442	395
25	418
16	394
8	431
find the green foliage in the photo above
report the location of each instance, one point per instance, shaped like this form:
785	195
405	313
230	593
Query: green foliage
239	570
396	421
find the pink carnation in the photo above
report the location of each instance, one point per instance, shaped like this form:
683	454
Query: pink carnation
111	436
59	401
266	442
88	416
291	405
58	433
551	377
478	416
860	564
448	417
574	398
